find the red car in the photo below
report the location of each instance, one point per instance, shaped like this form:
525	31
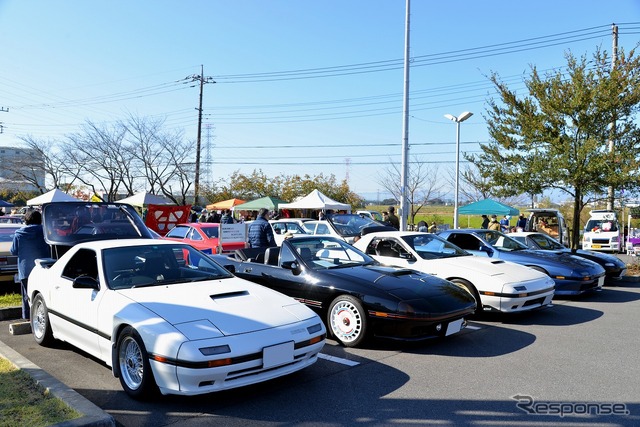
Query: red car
203	236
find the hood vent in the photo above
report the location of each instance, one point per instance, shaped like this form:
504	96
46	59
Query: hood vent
229	295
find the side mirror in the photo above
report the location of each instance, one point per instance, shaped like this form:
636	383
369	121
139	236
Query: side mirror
408	256
230	268
291	265
85	282
487	249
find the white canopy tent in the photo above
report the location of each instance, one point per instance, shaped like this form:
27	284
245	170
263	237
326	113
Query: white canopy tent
316	200
144	198
54	195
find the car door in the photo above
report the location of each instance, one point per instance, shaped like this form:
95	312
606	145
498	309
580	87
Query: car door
77	308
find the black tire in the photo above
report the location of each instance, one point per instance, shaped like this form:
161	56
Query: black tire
347	321
40	323
135	376
473	291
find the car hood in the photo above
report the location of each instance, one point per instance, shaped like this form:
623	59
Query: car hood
424	292
506	272
553	259
233	306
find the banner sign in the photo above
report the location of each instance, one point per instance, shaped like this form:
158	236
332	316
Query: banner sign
162	218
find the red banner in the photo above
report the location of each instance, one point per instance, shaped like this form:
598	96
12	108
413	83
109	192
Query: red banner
162	218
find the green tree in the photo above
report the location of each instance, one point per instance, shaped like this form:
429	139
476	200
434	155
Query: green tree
556	136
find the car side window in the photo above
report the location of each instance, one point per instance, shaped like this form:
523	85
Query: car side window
194	235
464	241
83	263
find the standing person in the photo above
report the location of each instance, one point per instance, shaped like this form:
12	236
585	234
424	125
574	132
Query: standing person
422	227
260	231
485	222
522	222
433	228
393	219
494	224
226	218
504	224
29	245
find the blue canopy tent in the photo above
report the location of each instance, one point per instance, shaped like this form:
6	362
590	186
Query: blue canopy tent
488	207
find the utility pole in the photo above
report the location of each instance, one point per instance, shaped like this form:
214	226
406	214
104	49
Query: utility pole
202	79
612	132
404	206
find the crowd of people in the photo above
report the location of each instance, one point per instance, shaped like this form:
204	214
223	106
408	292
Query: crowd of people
504	224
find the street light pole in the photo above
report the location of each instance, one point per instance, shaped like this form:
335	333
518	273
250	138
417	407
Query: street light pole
461	118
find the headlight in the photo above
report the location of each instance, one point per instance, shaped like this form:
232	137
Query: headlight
615	239
587	239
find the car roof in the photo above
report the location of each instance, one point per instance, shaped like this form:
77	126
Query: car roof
117	243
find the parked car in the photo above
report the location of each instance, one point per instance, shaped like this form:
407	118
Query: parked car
345	226
356	295
283	226
497	285
166	317
614	267
11	219
8	262
573	275
202	235
549	221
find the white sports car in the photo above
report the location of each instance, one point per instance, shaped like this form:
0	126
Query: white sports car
165	316
497	285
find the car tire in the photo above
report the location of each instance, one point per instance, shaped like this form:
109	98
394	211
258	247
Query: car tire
135	376
347	321
472	290
40	323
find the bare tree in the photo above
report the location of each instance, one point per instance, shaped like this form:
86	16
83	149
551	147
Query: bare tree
96	154
45	160
422	184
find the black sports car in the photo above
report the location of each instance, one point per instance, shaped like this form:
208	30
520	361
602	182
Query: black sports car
356	295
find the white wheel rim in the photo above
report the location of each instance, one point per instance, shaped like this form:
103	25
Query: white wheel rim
131	364
39	320
346	321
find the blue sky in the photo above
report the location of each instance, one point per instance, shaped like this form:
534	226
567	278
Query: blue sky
302	87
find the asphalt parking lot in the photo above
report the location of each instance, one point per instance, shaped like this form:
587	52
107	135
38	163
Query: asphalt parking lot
545	368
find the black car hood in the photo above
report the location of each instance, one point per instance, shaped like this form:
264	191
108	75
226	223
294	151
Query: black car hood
424	291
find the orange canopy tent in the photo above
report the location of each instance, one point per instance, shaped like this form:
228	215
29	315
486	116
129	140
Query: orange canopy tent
225	204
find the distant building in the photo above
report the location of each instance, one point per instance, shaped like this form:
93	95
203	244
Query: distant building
17	162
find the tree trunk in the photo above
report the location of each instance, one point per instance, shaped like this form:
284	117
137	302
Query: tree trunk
575	228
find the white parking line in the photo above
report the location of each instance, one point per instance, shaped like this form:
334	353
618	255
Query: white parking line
338	359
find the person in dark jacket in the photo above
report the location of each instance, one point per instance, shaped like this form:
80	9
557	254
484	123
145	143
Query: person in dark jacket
485	222
29	245
260	231
227	218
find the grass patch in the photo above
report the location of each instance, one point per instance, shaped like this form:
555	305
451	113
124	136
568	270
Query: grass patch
24	403
10	300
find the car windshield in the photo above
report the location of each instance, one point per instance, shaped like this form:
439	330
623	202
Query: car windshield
128	267
601	225
430	246
351	224
320	253
501	241
546	242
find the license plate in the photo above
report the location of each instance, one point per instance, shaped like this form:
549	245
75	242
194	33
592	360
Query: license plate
601	281
595	246
454	327
277	355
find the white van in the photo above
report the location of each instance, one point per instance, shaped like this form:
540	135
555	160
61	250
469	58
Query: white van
549	221
602	232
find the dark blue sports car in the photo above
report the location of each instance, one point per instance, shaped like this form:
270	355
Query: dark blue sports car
357	296
613	266
573	275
